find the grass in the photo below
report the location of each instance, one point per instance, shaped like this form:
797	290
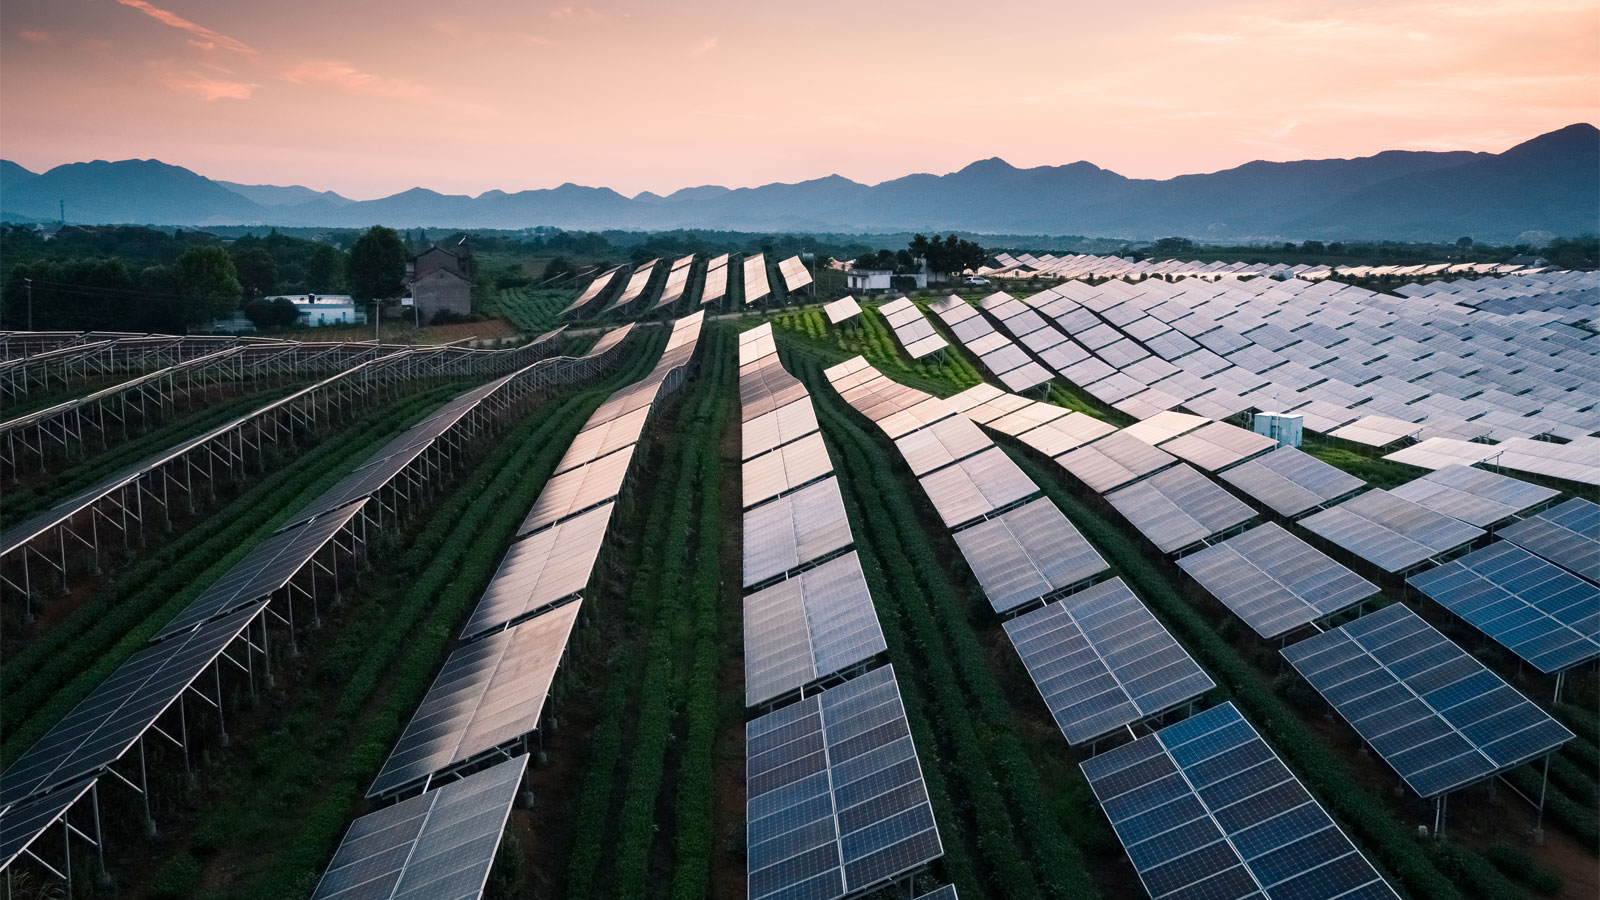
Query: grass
532	310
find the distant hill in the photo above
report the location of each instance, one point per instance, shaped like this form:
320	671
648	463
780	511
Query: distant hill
1550	183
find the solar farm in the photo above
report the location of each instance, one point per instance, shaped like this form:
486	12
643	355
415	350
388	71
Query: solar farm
1172	580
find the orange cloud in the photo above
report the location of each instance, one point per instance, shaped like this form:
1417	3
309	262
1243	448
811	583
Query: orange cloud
35	36
177	21
206	88
342	75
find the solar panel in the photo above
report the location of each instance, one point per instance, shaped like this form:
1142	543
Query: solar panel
716	284
918	414
941	444
1290	481
1434	713
262	572
1164	426
106	723
1473	495
1274	581
1217	445
541	569
1029	374
1113	461
603	439
1544	614
578	490
976	486
1390	532
767	387
1102	661
789	422
490	694
438	844
1567	534
842	310
784	469
794	530
756	287
835	801
1178	507
1206	809
948	892
807	627
756	344
1027	553
25	822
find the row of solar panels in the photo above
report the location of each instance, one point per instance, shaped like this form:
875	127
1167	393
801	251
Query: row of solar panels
835	798
44	782
1203	807
463	748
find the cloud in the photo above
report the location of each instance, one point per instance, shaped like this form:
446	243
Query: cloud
571	12
35	36
177	21
206	88
330	73
705	46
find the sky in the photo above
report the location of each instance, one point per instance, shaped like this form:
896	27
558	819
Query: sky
371	98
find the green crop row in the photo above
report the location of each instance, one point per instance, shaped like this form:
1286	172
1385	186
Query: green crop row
51	676
532	310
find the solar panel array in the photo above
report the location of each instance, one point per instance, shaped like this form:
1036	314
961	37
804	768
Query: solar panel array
808	615
1045	427
1009	363
439	844
1382	368
1291	482
1274	581
1178	507
1026	553
1473	495
595	289
1112	461
716	283
1567	534
1102	661
842	310
636	284
1390	532
1572	461
756	286
1204	808
1547	616
795	274
835	799
912	328
677	280
1433	712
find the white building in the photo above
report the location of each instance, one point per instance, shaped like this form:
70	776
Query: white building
862	281
325	309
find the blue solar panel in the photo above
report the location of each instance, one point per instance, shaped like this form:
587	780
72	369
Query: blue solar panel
835	800
1206	809
1102	661
1431	710
1542	613
1567	535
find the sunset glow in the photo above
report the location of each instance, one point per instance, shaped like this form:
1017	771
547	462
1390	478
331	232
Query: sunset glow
370	98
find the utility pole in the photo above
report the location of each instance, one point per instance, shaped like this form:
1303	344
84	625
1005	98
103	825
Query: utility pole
29	282
376	340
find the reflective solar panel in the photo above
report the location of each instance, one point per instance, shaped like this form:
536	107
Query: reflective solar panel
1027	553
794	530
1274	581
835	801
1390	532
1113	461
1290	481
807	627
106	723
603	439
1567	534
1473	495
1178	507
1206	809
976	486
1217	445
541	569
489	694
1544	614
576	491
784	469
941	444
756	287
1102	661
781	426
842	310
440	844
1434	713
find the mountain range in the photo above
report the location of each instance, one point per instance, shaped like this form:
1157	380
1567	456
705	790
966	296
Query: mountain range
1548	184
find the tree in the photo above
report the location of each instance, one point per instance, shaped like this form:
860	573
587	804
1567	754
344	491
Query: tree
377	264
206	283
276	313
1464	243
258	273
1313	247
325	271
559	267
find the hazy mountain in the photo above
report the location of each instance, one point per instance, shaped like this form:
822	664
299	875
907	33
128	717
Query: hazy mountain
274	195
1551	183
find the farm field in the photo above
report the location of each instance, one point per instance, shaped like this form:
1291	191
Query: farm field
644	749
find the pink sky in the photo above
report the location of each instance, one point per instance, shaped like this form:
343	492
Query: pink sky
369	98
